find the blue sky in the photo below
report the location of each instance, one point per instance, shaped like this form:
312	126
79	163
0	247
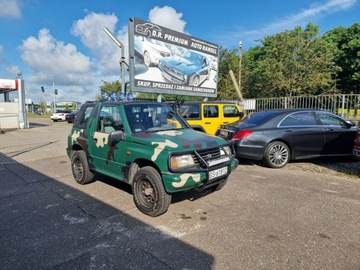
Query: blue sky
63	42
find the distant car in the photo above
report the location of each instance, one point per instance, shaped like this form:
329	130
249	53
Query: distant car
70	118
356	149
60	115
191	68
152	50
278	136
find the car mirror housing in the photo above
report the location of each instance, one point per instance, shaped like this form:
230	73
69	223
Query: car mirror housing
117	135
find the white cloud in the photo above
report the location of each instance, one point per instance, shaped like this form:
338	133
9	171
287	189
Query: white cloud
167	17
91	33
314	13
10	8
50	60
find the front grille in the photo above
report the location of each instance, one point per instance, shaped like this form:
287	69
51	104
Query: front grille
202	158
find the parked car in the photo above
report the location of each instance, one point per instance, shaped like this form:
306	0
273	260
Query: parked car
208	116
60	115
356	149
278	136
191	68
151	49
70	118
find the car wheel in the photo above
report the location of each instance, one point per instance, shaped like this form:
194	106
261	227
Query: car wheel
195	81
147	59
277	154
80	167
149	193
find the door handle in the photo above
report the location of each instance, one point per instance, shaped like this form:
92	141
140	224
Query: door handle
207	123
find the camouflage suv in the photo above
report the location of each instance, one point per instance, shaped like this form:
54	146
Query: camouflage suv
149	146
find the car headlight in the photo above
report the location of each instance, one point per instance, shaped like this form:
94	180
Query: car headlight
226	150
179	162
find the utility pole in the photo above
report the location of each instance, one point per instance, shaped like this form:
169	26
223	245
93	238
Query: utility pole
240	59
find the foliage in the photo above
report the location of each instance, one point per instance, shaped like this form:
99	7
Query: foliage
347	57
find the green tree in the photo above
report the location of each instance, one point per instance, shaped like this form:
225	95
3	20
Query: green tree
347	56
228	60
110	87
297	62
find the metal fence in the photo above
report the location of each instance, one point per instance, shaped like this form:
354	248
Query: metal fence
347	106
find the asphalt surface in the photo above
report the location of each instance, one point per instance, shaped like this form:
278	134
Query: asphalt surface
262	219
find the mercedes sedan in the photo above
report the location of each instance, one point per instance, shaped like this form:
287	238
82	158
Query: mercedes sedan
278	136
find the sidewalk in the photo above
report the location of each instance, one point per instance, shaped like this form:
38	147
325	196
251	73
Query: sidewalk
34	143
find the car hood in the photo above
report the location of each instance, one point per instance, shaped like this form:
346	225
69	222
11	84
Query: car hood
180	64
178	140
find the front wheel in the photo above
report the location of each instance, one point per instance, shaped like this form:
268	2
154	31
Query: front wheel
277	155
80	167
149	193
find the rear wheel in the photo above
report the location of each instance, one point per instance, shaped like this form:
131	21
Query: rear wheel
80	167
147	59
277	154
149	193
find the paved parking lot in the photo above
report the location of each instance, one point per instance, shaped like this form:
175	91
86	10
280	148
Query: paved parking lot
262	219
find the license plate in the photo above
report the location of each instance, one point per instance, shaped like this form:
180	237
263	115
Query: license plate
218	172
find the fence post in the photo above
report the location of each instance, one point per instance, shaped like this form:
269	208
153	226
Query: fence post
343	106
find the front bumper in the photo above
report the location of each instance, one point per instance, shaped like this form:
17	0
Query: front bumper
176	182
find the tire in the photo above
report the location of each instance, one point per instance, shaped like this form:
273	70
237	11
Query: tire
149	193
147	59
195	81
80	168
277	154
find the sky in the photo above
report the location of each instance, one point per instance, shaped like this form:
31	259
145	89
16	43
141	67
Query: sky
61	43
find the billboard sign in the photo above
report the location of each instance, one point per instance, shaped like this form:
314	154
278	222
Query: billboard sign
164	61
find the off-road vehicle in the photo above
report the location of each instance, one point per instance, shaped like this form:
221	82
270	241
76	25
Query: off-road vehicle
149	146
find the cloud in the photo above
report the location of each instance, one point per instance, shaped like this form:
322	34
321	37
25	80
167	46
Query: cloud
91	33
50	60
10	8
167	17
314	13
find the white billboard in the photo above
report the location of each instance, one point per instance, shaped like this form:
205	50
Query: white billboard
164	61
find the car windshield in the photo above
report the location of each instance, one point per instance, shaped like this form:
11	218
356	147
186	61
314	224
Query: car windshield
193	57
152	117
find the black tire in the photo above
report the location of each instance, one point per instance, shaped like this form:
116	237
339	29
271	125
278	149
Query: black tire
149	193
220	185
80	168
195	81
277	154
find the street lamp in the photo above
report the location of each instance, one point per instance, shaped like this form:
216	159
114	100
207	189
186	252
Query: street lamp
240	58
122	63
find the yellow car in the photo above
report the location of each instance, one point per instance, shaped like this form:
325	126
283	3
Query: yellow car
207	116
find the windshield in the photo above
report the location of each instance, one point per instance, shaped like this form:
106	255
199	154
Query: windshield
152	117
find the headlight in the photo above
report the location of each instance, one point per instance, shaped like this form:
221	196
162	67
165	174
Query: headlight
226	150
178	162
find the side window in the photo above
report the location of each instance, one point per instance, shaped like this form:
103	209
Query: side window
299	119
190	111
109	120
330	120
85	116
231	111
211	111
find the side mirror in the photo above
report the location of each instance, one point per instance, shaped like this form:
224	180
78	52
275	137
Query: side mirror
117	135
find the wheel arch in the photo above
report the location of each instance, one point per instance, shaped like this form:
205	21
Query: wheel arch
137	165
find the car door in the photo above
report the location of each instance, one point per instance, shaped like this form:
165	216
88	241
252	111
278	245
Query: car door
108	156
210	118
339	135
303	133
